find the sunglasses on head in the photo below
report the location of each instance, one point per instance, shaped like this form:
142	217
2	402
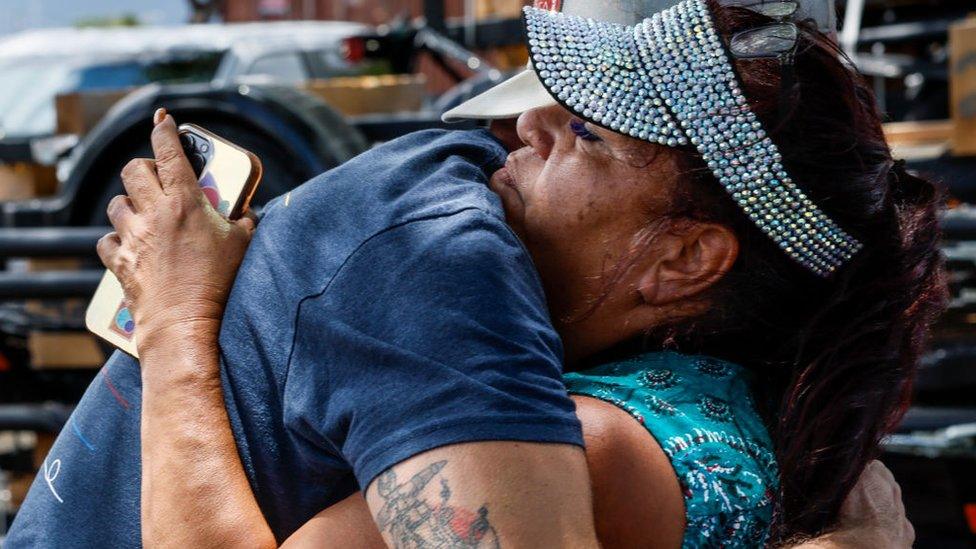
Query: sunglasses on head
773	40
776	39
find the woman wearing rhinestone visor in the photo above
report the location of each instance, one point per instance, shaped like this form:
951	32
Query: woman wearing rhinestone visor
714	181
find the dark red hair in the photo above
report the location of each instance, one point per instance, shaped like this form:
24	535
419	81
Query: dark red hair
837	357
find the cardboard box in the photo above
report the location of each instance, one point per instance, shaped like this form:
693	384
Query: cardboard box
503	9
77	113
64	350
353	95
962	85
920	140
22	180
19	484
919	131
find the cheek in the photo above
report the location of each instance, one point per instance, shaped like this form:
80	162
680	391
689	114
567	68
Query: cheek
581	197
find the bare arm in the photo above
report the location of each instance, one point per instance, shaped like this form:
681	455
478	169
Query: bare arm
486	494
191	473
636	498
195	492
190	470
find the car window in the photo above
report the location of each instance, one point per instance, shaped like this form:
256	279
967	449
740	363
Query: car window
110	77
29	87
333	64
282	67
197	67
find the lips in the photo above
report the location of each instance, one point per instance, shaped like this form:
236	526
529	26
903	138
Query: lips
503	183
510	171
504	176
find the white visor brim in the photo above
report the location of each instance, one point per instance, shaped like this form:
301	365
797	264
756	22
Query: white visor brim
509	99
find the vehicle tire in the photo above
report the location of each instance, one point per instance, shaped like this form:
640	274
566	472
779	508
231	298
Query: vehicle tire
335	140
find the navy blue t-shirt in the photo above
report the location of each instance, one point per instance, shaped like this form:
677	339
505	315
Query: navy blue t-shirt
383	309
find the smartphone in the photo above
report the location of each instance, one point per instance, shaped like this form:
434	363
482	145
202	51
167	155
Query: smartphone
228	175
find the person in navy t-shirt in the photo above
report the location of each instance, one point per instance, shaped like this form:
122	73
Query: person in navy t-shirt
383	309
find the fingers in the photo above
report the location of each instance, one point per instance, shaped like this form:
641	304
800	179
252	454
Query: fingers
867	497
883	471
141	183
108	248
175	173
121	213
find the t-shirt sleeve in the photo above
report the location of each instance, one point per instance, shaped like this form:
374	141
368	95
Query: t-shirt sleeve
433	332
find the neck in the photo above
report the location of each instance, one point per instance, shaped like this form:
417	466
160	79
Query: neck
585	338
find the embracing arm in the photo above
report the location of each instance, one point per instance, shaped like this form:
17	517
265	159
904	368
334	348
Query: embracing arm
486	494
191	473
194	491
483	494
872	515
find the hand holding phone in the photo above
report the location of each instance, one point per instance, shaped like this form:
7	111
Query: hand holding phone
228	176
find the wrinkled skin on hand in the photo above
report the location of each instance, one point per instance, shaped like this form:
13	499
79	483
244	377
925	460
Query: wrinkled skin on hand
873	514
175	256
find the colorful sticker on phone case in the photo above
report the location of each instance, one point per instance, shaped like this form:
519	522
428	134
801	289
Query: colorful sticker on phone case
209	187
122	322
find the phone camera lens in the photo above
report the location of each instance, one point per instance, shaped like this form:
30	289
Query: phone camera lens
186	142
197	162
204	147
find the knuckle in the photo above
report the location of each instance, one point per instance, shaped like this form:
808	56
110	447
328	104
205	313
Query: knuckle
166	151
134	167
114	208
102	246
167	155
179	209
139	232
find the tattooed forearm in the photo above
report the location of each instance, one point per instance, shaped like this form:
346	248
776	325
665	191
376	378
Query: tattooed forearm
415	514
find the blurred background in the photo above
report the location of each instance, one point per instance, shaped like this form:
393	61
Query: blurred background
307	84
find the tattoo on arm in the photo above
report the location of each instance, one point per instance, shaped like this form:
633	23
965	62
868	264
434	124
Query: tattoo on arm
415	517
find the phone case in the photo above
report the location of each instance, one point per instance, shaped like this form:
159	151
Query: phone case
228	175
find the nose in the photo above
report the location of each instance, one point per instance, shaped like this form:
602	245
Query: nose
540	128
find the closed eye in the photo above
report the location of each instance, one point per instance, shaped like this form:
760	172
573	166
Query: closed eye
581	131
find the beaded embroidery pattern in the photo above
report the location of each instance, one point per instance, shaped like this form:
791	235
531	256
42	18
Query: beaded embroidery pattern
668	80
708	428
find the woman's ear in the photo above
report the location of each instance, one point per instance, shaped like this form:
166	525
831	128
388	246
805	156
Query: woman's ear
689	259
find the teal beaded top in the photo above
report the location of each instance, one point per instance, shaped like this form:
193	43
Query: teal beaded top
702	414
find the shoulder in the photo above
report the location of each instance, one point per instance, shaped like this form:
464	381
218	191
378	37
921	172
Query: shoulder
701	417
636	494
483	146
418	176
465	154
464	276
470	243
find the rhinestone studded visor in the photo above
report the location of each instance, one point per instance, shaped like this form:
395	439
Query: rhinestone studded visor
668	80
